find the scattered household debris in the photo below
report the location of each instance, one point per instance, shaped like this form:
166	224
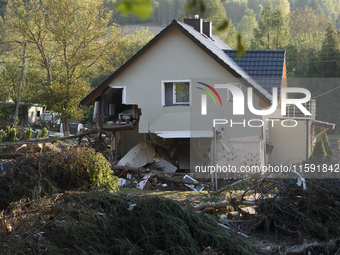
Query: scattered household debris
163	164
21	147
140	155
142	184
294	208
144	153
191	186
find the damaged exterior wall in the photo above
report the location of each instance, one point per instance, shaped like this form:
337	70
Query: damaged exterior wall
233	152
246	151
143	82
143	85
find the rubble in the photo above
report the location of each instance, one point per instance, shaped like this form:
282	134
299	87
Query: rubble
145	154
140	155
291	210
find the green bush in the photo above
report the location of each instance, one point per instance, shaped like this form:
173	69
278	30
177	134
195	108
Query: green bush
319	152
56	142
99	169
37	134
4	137
53	172
13	134
44	133
326	143
29	134
19	134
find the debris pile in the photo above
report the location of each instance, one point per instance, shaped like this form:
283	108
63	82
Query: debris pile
36	175
99	222
291	210
144	168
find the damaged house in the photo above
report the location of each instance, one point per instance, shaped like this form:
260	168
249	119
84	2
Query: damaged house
173	93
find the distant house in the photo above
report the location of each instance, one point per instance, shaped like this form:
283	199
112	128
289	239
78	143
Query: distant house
158	91
29	112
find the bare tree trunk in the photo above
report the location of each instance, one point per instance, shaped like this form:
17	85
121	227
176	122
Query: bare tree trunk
20	85
66	128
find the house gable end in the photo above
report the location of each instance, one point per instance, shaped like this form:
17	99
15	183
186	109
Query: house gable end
213	52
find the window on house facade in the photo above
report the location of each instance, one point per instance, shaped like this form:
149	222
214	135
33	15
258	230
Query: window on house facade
176	93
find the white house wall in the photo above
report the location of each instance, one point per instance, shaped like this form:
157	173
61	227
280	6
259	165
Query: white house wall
32	113
174	57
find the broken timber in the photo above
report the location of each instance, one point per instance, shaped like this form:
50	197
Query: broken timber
49	140
222	204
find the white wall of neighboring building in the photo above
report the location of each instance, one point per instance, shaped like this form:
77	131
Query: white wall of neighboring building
291	144
33	113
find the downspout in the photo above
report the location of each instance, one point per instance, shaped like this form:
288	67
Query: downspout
307	139
215	159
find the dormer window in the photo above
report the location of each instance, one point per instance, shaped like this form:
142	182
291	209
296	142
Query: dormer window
175	93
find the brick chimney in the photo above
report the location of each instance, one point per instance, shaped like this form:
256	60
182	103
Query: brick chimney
197	24
200	26
207	28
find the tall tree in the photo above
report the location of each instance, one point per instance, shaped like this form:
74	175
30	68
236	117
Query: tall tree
329	57
213	11
247	25
326	64
273	31
129	45
9	80
284	5
307	29
235	10
67	39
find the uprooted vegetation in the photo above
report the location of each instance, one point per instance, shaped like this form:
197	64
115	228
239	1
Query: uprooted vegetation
36	175
99	222
298	212
40	215
47	211
289	213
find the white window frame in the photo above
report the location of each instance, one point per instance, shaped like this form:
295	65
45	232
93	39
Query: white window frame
123	92
174	91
